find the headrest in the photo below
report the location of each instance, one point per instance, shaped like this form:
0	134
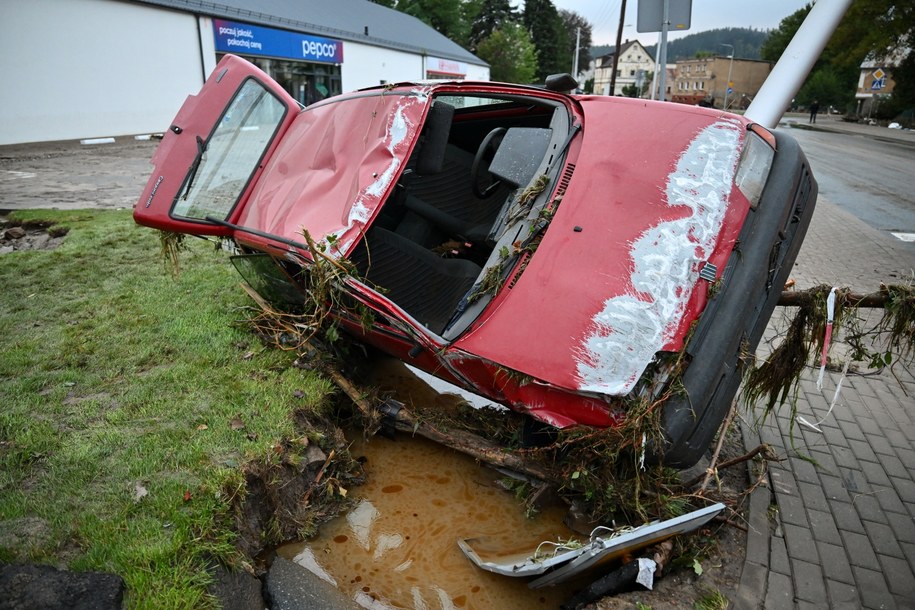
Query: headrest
430	156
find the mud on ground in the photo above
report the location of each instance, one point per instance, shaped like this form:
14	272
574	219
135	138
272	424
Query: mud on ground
69	175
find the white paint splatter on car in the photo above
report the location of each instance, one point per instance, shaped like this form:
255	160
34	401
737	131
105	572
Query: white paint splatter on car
631	328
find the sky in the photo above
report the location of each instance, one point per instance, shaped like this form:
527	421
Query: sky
604	16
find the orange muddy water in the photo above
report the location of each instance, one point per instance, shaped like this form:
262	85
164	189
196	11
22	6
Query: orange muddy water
397	548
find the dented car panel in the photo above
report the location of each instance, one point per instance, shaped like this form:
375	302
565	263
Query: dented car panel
552	252
646	291
349	152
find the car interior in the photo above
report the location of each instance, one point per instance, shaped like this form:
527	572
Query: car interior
458	205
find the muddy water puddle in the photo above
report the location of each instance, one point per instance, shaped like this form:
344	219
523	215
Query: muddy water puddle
397	548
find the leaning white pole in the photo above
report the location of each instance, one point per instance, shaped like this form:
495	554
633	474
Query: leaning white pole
795	63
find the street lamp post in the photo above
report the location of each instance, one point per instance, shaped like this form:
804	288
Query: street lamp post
727	85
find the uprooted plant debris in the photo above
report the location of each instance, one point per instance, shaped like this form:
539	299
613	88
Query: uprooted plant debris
601	473
876	344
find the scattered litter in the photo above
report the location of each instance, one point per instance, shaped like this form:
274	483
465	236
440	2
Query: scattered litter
830	316
143	138
894	126
139	492
832	404
647	568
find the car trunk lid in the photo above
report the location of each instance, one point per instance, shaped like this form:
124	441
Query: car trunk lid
215	148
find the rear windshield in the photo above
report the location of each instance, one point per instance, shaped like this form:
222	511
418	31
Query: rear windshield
228	158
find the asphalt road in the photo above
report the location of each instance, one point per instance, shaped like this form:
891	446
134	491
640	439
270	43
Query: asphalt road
870	178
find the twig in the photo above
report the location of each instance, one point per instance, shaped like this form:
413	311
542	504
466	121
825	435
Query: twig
802	297
315	252
726	521
319	476
764	448
712	469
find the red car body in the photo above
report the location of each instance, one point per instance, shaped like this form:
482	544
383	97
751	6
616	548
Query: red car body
588	236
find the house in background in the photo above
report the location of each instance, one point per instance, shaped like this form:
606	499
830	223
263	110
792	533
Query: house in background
704	80
876	80
633	68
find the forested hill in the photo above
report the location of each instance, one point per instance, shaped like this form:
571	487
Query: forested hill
746	41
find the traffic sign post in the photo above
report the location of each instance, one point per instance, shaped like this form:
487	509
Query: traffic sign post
651	15
879	81
657	15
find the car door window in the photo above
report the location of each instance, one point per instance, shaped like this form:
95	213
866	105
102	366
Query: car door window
225	162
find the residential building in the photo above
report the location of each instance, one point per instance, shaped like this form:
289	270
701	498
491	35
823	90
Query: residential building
77	69
876	80
704	80
634	68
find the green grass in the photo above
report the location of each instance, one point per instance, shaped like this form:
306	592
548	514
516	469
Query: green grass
117	377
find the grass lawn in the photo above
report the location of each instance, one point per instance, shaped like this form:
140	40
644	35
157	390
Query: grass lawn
131	402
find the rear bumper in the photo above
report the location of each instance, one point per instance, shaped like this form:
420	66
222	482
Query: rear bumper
734	320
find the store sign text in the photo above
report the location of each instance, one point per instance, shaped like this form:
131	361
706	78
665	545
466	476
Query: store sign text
233	37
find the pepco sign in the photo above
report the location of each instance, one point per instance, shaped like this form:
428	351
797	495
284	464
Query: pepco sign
234	37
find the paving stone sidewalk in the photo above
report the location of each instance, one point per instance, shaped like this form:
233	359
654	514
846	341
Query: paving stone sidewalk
835	528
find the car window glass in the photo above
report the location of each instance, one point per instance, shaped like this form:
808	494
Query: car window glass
227	159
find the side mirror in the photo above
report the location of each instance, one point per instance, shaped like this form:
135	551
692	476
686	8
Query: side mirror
561	82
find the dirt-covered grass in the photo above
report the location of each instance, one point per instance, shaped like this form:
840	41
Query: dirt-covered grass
132	403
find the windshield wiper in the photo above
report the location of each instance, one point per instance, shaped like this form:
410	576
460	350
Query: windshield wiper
201	148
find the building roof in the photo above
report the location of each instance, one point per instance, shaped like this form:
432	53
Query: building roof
354	20
684	60
606	61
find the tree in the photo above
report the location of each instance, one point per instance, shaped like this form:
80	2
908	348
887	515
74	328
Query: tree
445	16
549	36
777	40
493	14
825	86
875	27
870	28
510	53
573	23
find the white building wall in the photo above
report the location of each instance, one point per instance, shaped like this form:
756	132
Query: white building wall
477	72
368	66
87	68
74	69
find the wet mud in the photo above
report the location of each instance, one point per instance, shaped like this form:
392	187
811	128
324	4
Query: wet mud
69	175
397	548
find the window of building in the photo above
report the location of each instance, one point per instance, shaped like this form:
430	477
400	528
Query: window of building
307	82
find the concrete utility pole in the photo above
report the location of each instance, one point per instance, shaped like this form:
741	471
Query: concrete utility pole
799	56
616	54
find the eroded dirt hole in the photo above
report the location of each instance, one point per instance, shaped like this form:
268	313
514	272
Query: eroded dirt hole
397	548
15	236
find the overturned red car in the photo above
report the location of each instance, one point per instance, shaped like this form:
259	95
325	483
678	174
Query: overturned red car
556	253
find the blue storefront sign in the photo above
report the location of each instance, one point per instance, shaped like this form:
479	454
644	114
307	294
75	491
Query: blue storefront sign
234	37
